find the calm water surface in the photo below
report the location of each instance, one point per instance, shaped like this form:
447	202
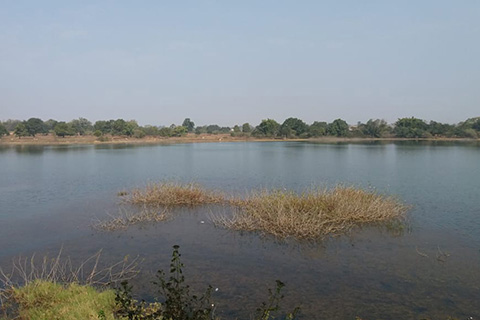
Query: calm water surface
50	195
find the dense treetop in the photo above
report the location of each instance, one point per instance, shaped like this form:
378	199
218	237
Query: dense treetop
269	128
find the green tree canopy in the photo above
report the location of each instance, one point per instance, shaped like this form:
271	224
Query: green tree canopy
81	126
374	128
318	129
189	124
3	130
35	126
338	128
21	130
11	124
63	129
104	126
179	131
292	127
50	124
440	129
410	128
267	128
246	127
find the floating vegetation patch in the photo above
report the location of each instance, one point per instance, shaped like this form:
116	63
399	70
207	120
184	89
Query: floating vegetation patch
313	214
125	218
174	194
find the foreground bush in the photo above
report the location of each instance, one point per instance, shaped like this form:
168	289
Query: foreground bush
178	303
313	214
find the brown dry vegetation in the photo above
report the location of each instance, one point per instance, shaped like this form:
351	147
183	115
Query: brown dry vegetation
51	139
126	218
174	194
312	214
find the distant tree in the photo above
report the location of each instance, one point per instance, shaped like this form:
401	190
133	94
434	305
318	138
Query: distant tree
410	128
201	130
213	128
104	126
293	127
374	128
236	129
471	123
338	128
3	130
165	132
179	131
63	129
318	129
189	124
50	124
21	130
119	127
130	128
11	124
440	129
81	126
476	125
35	126
267	128
139	133
246	128
151	130
463	131
470	133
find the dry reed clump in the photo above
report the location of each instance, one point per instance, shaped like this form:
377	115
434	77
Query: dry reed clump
312	214
125	218
174	194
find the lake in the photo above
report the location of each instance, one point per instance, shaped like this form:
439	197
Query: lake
50	195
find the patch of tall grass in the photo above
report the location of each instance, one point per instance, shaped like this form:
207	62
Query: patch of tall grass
33	287
42	299
174	194
313	214
125	218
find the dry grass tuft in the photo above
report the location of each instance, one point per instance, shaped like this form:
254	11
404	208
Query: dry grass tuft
125	218
312	214
174	194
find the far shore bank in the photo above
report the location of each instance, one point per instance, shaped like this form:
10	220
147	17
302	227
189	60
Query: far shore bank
190	138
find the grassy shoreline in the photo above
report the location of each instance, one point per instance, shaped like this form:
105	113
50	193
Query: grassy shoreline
190	138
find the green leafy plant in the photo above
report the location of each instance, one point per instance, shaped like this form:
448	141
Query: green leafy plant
179	304
268	309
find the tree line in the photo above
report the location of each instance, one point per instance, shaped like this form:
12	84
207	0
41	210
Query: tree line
268	128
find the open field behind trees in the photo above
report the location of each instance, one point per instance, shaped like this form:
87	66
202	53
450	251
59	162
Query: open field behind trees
37	131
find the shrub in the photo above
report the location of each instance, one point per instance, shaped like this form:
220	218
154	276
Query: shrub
313	214
173	194
178	303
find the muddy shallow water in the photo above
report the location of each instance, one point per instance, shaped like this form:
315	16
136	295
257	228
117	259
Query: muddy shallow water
50	195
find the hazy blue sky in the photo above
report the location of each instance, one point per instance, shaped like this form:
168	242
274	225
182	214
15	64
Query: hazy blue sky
230	62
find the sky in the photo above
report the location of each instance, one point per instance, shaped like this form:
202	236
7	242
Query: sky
229	62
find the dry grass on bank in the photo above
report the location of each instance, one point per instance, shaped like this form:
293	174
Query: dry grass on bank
125	218
313	214
174	194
